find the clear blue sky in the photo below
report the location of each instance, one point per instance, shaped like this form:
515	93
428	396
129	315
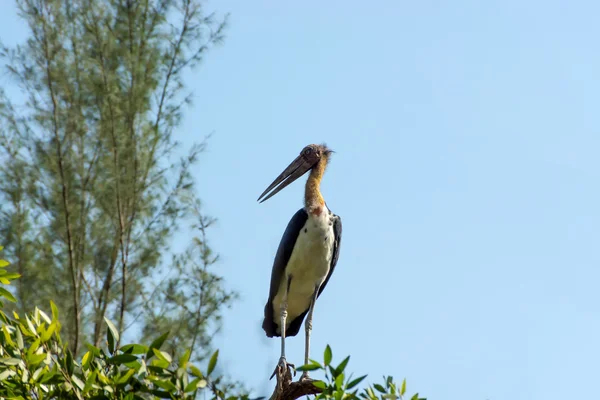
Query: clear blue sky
467	176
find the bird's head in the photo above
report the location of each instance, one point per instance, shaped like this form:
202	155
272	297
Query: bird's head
309	157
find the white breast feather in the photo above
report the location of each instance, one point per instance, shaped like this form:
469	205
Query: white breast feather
309	265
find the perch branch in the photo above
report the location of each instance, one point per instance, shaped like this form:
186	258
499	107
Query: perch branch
286	389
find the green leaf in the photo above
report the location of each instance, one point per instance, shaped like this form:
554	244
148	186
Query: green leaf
212	363
156	344
403	388
6	374
126	377
308	367
379	387
93	349
5	293
134	349
122	359
340	368
190	387
78	382
43	315
48	333
4	263
161	355
320	385
69	364
112	335
355	382
161	394
167	385
196	372
86	359
89	382
19	339
185	358
327	355
339	381
35	359
54	311
160	364
10	361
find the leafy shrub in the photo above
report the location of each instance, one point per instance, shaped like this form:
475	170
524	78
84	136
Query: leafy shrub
35	363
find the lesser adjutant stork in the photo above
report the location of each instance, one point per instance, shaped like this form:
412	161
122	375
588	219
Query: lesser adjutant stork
307	253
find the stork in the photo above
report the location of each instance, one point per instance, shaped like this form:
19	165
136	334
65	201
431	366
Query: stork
307	253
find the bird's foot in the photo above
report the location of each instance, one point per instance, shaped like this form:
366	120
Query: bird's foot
305	377
282	368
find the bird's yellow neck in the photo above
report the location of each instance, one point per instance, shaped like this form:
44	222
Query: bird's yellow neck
313	200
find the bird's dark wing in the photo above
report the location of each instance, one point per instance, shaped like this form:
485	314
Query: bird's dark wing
284	252
294	327
337	231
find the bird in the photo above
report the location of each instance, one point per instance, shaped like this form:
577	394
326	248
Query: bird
307	254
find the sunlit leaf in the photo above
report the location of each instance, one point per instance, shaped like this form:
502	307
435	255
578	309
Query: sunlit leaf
167	385
185	358
48	334
134	349
6	294
19	339
86	359
161	355
126	377
320	385
212	363
89	382
156	344
196	372
309	367
78	382
7	374
339	381
54	310
44	316
201	384
327	355
190	387
35	359
10	361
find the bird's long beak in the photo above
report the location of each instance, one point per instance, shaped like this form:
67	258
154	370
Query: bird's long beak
295	170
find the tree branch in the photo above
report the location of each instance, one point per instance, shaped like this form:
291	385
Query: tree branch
65	190
286	389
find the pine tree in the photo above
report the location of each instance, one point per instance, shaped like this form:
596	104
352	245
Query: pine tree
91	191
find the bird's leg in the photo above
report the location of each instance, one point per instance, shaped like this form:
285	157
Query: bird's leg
282	326
282	365
308	329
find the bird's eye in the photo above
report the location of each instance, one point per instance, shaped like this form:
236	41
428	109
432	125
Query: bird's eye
308	151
